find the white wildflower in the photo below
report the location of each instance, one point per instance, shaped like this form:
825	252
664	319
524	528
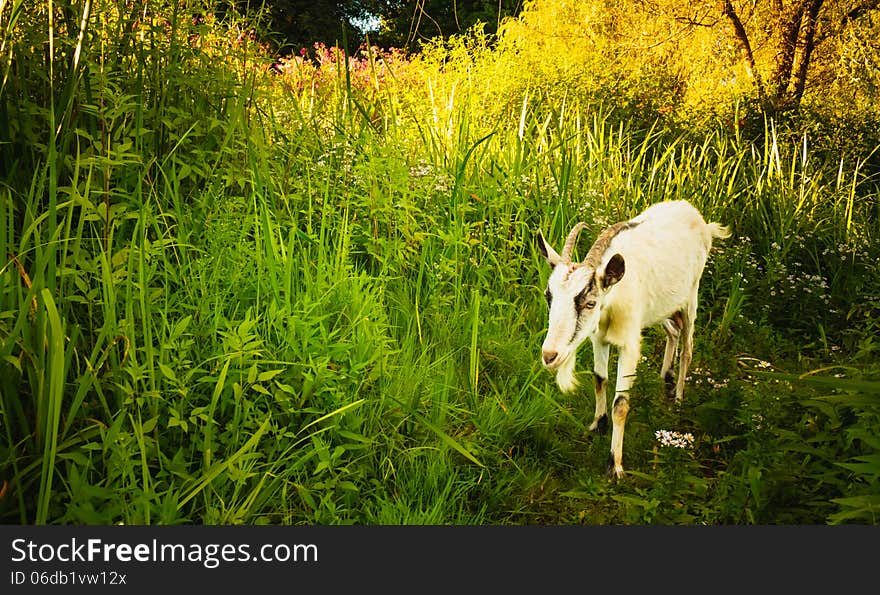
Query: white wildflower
674	439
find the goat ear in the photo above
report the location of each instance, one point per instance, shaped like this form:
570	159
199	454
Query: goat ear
614	271
547	252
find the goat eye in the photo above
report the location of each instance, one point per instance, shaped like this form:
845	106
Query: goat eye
581	301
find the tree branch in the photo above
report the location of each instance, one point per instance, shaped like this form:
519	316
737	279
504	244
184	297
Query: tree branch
858	11
698	20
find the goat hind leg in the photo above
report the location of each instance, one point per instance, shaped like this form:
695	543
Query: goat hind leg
687	345
672	326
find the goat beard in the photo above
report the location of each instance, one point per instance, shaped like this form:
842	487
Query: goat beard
565	377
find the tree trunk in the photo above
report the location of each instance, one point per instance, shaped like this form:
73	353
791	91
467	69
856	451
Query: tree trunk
745	47
806	44
788	27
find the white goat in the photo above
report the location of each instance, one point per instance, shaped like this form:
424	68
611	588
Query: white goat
662	252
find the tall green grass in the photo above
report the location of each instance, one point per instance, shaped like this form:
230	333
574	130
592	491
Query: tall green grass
225	298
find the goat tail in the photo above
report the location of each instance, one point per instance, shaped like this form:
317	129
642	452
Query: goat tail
718	231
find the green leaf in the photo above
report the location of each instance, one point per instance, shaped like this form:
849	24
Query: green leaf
285	388
449	440
77	457
307	497
331	414
16	362
268	375
167	372
217	468
865	508
354	437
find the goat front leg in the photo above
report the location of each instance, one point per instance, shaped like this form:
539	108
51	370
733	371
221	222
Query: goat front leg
627	360
601	351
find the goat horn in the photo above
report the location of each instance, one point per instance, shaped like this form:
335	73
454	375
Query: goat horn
571	240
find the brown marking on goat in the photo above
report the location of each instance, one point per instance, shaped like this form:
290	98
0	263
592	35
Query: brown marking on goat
571	269
598	382
620	409
678	320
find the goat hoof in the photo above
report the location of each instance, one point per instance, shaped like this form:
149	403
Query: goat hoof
670	385
600	425
614	472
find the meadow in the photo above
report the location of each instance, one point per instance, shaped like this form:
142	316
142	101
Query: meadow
236	290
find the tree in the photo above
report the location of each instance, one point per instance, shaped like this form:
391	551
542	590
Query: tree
789	32
797	27
407	23
298	24
403	23
777	46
